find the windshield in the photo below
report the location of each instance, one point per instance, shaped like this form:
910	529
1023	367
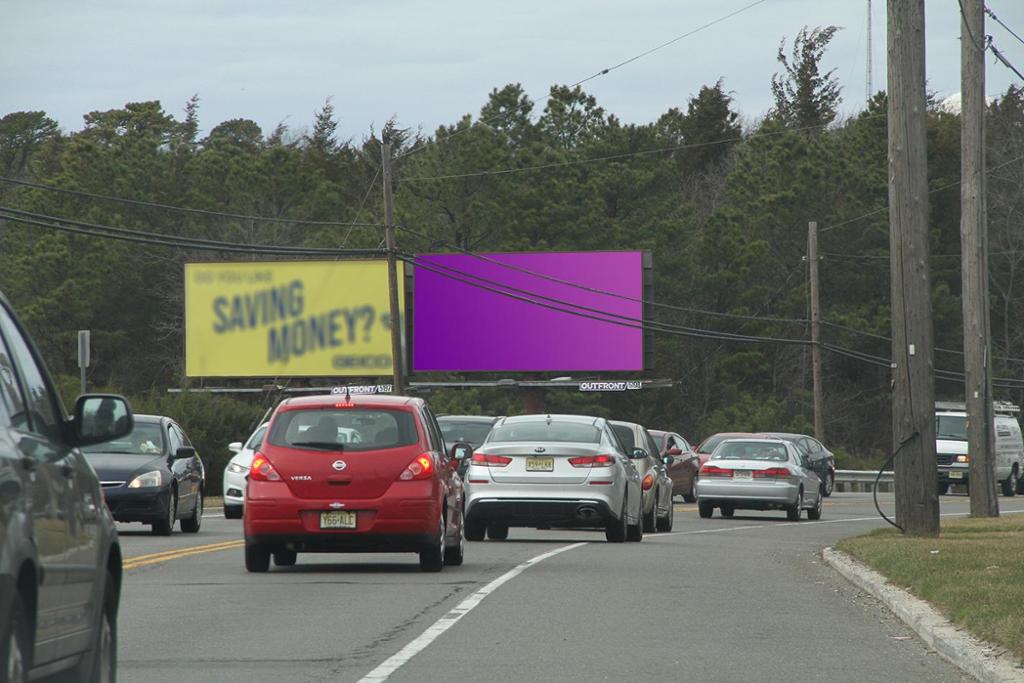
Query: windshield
751	450
471	432
346	429
545	431
951	427
145	439
257	438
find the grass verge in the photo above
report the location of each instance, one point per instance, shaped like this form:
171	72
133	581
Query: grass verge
973	573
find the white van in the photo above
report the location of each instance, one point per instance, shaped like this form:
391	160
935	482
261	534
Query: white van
951	447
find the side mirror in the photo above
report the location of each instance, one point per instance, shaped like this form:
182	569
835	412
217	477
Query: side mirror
235	446
99	418
675	451
639	454
184	453
461	451
668	459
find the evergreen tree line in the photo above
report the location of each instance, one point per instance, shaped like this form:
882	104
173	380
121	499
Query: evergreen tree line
722	202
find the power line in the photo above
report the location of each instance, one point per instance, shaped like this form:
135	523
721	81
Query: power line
142	237
596	290
602	72
182	209
1002	58
999	21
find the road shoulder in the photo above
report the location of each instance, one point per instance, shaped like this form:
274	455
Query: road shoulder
982	660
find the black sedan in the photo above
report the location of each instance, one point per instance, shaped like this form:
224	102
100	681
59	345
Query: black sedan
469	429
823	462
153	476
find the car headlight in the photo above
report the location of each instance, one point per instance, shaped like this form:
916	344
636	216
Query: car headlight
147	480
963	458
237	469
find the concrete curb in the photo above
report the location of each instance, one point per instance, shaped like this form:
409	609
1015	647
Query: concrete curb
975	657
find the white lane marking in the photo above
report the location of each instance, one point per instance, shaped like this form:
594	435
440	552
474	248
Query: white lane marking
395	661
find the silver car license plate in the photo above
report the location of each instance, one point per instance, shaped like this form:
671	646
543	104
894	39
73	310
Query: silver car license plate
742	474
540	464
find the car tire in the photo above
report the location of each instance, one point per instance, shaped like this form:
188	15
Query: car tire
15	646
691	497
1010	484
650	521
194	522
943	488
100	664
635	533
705	510
285	558
1020	485
727	510
455	554
615	529
665	523
793	511
432	556
830	484
232	512
814	513
497	532
165	527
475	531
257	558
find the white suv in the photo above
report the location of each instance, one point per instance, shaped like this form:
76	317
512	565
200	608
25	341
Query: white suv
951	447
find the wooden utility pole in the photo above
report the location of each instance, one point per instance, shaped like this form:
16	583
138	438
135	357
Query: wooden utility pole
812	262
974	270
913	399
389	237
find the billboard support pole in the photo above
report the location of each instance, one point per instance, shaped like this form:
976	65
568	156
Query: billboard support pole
389	236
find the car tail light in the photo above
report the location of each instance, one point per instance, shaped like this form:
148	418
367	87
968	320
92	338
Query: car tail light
422	467
485	460
592	461
648	482
772	472
262	470
715	471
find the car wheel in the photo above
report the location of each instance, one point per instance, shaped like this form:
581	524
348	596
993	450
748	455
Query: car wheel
635	533
665	523
165	527
829	485
15	653
1010	483
99	666
793	511
432	557
285	557
232	512
815	512
195	520
691	497
497	532
943	488
257	558
1020	485
453	555
705	509
649	521
475	531
615	529
727	510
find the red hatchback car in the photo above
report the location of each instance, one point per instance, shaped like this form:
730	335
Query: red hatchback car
353	474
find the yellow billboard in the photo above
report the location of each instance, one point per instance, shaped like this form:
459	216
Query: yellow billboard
288	319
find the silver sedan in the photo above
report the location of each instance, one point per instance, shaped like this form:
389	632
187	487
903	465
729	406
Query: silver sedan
553	471
758	474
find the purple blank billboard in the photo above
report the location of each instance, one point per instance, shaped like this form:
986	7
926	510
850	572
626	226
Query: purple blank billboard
461	324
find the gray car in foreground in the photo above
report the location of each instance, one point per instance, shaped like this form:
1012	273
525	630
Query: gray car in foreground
758	474
553	471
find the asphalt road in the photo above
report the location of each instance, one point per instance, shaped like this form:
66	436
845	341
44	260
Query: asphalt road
742	599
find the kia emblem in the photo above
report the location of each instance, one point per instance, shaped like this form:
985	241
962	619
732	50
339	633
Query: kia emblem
339	465
539	449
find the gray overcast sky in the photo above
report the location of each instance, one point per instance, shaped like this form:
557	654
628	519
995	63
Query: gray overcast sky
431	62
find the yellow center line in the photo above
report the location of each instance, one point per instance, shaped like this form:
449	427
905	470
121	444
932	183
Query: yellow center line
166	556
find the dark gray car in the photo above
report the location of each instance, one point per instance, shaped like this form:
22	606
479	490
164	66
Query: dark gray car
60	562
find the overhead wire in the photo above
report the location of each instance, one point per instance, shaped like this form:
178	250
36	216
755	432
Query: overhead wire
999	21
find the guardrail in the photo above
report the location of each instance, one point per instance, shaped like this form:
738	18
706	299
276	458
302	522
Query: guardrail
862	480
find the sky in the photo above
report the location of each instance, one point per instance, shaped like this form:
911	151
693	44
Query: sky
430	63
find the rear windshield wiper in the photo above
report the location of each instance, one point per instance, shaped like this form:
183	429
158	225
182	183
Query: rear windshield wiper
329	445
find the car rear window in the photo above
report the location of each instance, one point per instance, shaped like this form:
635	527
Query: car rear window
542	430
346	429
751	450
